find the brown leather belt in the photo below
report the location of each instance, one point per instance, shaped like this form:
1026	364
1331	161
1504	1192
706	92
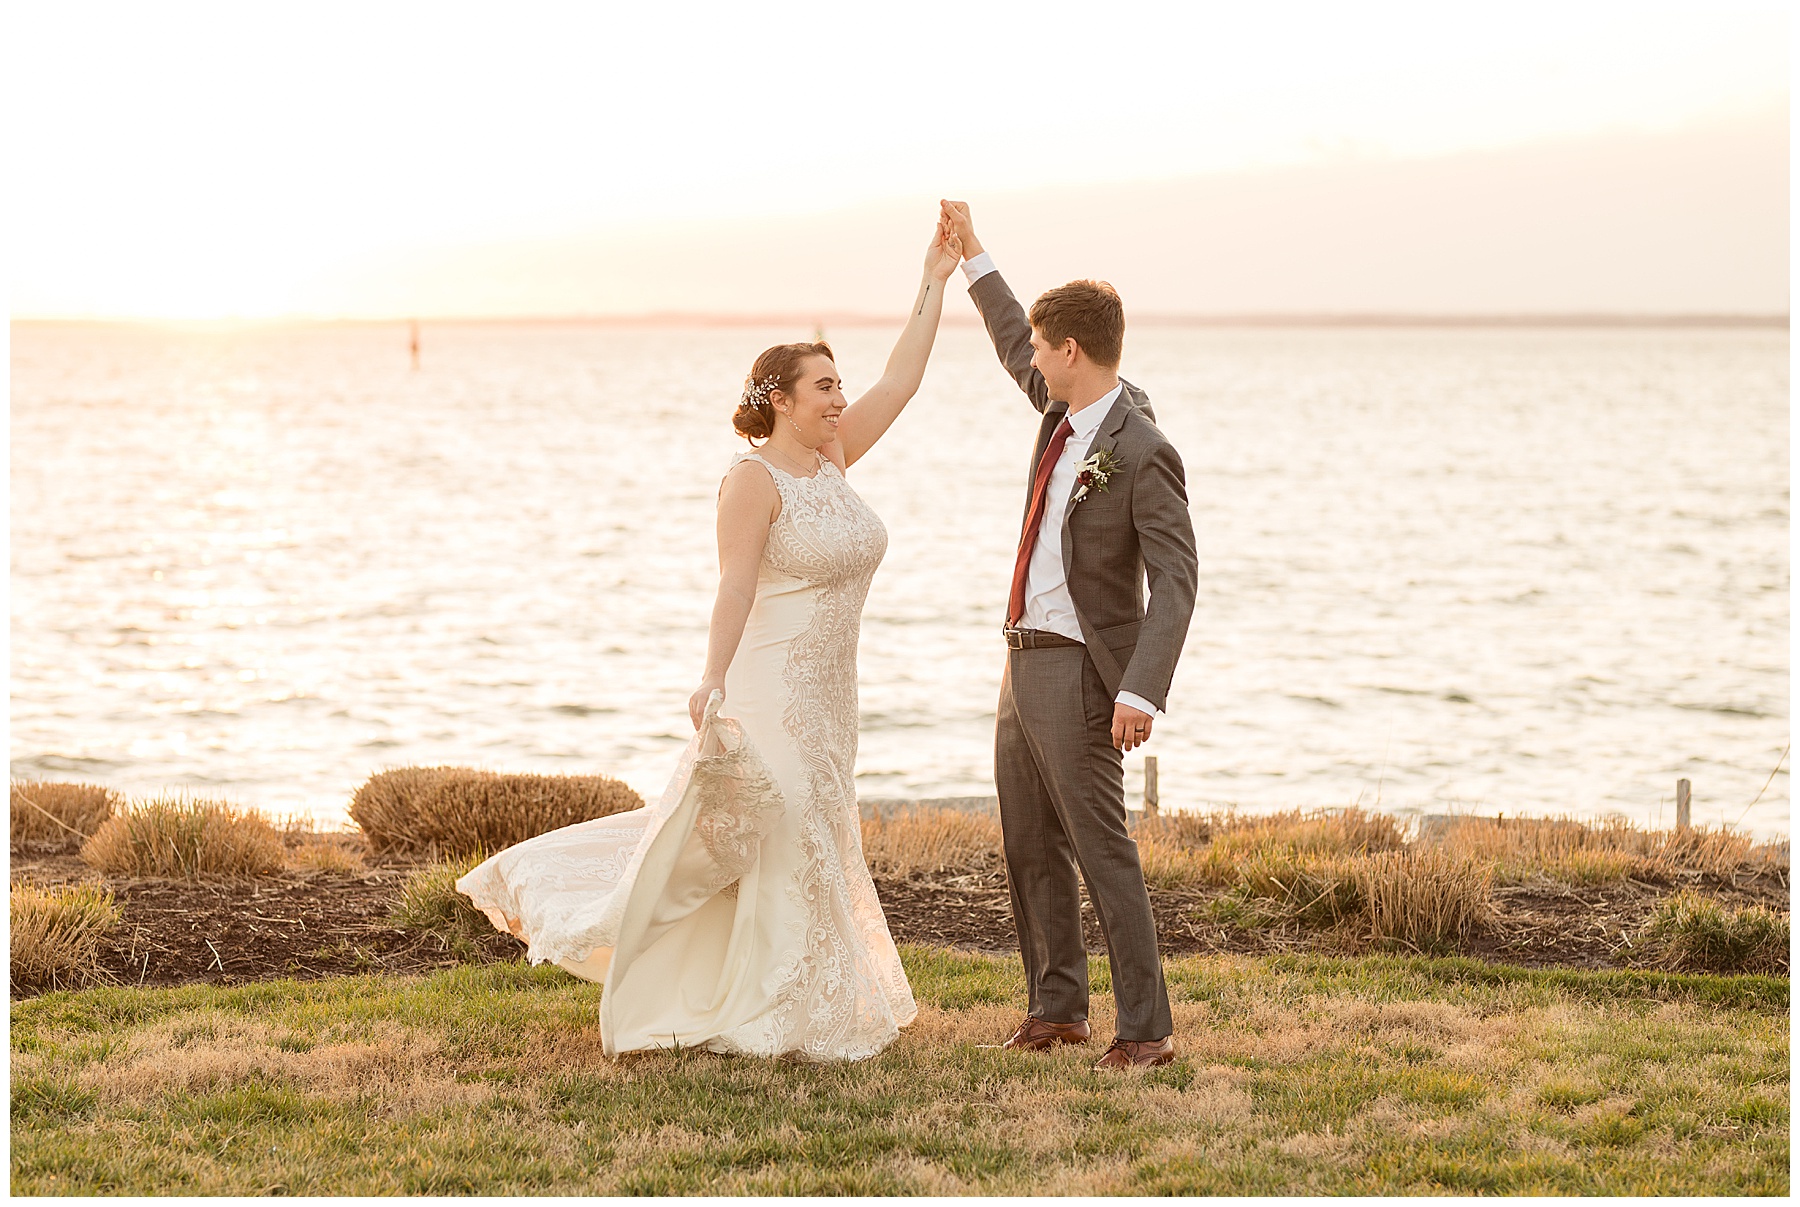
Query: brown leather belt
1036	639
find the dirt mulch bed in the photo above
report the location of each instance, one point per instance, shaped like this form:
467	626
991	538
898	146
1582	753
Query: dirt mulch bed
974	910
307	924
1546	924
296	924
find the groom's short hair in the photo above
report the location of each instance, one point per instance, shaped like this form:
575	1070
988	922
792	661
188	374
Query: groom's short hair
1088	312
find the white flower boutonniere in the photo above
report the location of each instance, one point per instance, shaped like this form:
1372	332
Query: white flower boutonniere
1094	473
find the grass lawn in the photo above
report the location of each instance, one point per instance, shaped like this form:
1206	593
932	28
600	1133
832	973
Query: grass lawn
1298	1074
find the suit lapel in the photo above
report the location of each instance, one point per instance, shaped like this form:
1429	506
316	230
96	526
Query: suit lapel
1106	436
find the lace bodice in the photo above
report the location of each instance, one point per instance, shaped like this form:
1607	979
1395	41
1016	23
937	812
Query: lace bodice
825	535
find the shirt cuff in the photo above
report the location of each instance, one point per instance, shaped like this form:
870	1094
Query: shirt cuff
1139	703
978	266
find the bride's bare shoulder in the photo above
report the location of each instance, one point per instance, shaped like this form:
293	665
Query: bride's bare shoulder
749	485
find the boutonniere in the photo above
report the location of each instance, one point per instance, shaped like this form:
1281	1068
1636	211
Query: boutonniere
1094	473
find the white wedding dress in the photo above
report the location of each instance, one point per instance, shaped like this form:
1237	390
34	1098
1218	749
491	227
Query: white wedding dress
736	914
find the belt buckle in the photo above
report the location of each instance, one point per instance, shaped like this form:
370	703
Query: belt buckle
1015	640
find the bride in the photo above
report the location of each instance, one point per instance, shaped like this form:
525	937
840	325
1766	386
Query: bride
736	914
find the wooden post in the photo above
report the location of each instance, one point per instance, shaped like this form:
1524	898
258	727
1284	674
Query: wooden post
1684	810
1152	797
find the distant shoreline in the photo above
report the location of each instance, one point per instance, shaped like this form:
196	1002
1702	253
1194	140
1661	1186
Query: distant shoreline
686	319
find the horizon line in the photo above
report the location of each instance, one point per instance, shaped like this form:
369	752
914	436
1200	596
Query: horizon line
682	318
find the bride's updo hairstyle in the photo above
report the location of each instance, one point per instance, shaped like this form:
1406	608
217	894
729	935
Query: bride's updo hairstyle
778	368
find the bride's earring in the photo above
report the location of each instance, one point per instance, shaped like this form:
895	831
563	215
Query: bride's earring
795	426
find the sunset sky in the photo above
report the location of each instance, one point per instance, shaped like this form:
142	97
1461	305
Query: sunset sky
381	160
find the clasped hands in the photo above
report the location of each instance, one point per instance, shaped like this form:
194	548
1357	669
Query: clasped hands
945	252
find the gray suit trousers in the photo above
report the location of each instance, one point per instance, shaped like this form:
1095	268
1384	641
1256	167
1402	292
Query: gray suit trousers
1062	807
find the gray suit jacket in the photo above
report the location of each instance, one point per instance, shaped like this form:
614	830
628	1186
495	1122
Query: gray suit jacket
1111	541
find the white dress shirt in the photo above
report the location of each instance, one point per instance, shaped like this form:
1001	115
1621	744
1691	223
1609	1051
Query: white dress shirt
1048	605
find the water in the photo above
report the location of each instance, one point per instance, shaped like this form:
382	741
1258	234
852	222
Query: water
1520	571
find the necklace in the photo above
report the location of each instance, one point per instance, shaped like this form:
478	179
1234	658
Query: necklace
770	448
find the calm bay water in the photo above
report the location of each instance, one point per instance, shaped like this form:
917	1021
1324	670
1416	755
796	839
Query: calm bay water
1520	571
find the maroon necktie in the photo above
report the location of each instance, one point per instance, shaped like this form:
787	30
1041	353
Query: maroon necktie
1034	516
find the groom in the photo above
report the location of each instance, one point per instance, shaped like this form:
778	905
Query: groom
1088	662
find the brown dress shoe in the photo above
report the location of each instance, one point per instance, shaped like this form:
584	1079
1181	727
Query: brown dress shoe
1138	1053
1036	1034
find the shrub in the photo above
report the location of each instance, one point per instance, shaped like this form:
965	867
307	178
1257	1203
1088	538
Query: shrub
1717	851
1419	899
312	849
325	853
1222	844
181	837
1698	934
928	839
1190	830
428	900
1595	867
428	904
1169	865
1310	890
1351	831
56	935
1423	898
457	810
1520	848
1563	848
55	819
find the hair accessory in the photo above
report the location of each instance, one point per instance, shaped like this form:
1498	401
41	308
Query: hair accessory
756	394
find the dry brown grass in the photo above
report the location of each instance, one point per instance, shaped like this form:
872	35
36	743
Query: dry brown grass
1423	898
1177	849
1716	851
56	934
1183	849
55	819
310	849
1418	899
1341	868
1351	831
325	855
1168	865
1351	870
1520	848
456	810
930	840
1344	868
183	837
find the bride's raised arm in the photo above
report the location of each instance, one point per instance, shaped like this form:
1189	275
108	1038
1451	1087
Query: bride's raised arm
864	420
